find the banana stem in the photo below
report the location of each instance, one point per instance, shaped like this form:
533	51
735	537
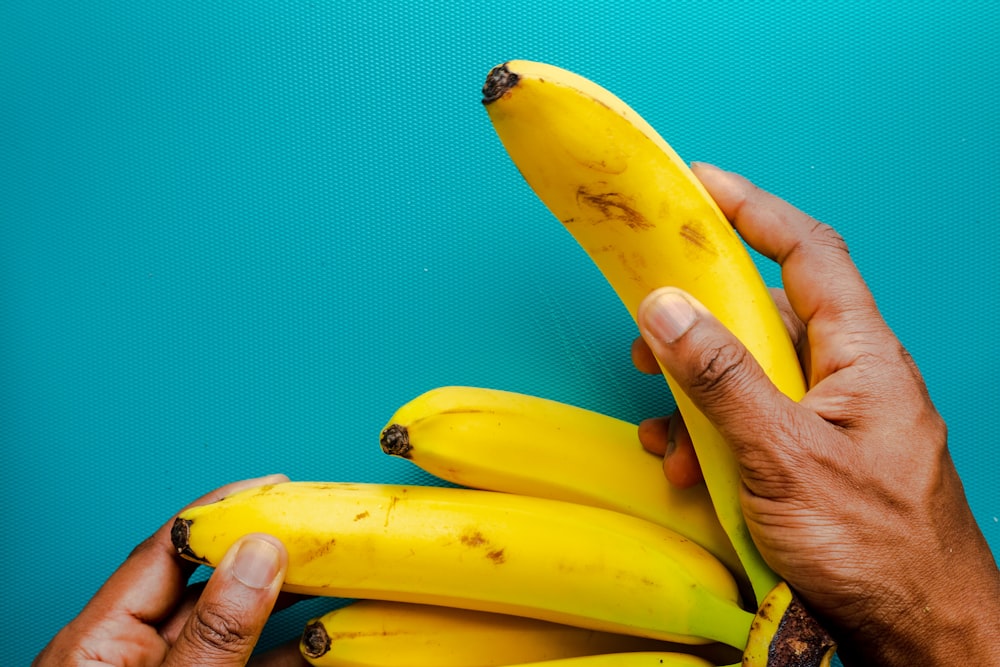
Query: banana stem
395	441
785	634
315	642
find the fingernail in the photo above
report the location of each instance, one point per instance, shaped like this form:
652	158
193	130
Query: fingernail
256	563
669	316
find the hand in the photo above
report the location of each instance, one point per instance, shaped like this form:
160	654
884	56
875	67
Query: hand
145	615
668	436
850	494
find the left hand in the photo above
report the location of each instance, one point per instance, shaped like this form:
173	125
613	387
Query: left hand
146	615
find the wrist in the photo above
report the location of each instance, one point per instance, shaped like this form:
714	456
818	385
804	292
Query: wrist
954	623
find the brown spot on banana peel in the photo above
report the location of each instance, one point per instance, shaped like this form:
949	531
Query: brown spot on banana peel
315	641
395	441
389	509
692	233
632	269
602	165
180	536
613	206
475	539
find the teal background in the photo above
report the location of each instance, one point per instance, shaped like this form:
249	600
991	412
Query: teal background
235	236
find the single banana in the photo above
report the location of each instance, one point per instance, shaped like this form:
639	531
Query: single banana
536	557
516	443
646	221
378	633
640	659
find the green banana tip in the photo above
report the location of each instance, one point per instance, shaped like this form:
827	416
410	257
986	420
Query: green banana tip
498	82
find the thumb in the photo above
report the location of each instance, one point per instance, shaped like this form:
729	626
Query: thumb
227	619
717	373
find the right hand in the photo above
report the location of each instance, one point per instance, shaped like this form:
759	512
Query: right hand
850	494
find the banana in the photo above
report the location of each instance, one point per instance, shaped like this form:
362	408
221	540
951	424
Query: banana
646	221
536	557
505	441
639	659
378	633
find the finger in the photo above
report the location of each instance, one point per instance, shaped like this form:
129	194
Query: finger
668	437
233	487
228	618
642	357
654	435
821	281
170	629
645	361
680	464
715	371
152	579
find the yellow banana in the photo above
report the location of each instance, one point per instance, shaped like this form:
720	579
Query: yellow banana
516	443
640	659
378	633
646	221
536	557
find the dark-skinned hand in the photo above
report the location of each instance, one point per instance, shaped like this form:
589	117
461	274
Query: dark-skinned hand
850	494
146	614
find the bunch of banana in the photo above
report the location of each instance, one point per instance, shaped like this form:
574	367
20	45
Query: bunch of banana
505	441
570	525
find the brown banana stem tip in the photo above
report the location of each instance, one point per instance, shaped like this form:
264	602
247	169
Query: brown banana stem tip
395	441
498	82
315	640
180	536
800	641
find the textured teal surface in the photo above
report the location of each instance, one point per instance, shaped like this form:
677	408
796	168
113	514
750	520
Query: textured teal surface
234	237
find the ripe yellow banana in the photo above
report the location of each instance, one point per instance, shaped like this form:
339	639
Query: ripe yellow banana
536	557
646	221
642	659
516	443
378	633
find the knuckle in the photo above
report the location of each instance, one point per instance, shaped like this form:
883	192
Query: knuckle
825	236
217	629
148	544
820	239
720	369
